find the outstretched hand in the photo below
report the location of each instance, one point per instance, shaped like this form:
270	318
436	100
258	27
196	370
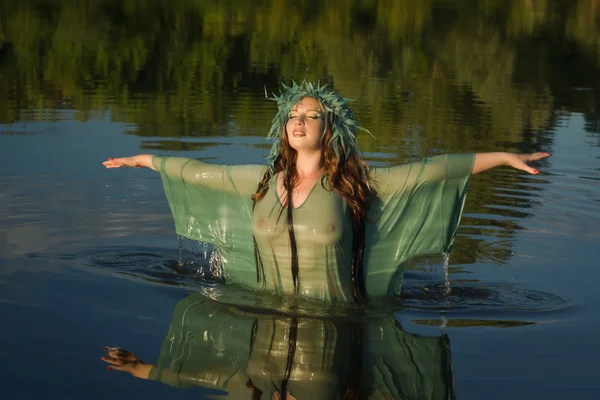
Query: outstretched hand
131	162
520	161
139	161
126	361
485	161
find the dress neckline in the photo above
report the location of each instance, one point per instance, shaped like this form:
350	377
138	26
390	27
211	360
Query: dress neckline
307	196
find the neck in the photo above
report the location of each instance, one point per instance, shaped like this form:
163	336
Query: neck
309	165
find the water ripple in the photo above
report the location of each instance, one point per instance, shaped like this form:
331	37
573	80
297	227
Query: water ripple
480	297
165	266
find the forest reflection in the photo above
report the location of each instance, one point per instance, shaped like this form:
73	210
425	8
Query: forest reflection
460	72
429	76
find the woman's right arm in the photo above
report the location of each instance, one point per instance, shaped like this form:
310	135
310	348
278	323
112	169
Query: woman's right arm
242	179
139	161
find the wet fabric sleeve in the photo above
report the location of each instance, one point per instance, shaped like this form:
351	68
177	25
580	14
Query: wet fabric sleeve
212	203
416	213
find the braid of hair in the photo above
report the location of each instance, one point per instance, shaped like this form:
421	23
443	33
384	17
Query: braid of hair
256	392
359	291
292	342
290	226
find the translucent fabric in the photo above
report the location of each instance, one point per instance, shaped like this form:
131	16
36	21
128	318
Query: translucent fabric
416	212
239	352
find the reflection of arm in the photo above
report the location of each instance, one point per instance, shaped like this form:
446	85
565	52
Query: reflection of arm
142	371
242	179
218	376
207	345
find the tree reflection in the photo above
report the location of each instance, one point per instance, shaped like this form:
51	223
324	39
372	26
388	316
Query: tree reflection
459	71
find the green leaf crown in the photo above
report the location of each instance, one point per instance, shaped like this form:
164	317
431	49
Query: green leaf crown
338	113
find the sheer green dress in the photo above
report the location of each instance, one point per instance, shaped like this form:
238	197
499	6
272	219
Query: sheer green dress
416	213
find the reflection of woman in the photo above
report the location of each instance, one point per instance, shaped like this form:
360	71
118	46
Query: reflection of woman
324	224
249	355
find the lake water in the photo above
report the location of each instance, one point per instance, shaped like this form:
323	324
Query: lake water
89	257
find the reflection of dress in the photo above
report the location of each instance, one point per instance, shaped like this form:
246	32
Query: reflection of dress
220	347
416	213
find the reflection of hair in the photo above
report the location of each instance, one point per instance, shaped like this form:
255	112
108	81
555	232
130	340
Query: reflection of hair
292	340
351	387
256	392
346	174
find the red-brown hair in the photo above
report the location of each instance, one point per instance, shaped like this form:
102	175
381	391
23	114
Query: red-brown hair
347	175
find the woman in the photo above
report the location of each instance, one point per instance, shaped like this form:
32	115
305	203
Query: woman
317	221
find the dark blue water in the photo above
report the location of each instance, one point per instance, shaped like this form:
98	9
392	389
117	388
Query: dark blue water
89	257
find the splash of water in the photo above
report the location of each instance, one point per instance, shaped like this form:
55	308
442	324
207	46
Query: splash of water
215	267
180	256
203	260
447	291
447	288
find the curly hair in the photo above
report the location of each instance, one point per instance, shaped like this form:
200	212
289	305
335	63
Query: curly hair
346	174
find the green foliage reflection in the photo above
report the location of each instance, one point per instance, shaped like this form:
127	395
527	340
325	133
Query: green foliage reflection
452	71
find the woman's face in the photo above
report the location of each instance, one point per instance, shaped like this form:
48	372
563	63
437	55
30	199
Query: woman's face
306	125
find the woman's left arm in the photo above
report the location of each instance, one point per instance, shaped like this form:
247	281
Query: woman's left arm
485	161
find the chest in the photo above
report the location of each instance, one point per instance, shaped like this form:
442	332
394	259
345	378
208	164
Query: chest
299	193
322	216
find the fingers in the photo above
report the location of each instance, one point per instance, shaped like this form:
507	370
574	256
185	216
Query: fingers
116	367
519	163
110	164
115	352
112	361
535	156
532	171
120	162
119	355
120	360
114	163
131	162
522	159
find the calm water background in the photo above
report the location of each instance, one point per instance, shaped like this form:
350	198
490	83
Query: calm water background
87	255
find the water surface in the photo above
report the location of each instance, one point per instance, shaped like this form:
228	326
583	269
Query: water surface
89	257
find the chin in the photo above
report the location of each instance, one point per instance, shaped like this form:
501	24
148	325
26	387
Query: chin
304	147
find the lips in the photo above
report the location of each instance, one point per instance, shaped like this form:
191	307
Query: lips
298	133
